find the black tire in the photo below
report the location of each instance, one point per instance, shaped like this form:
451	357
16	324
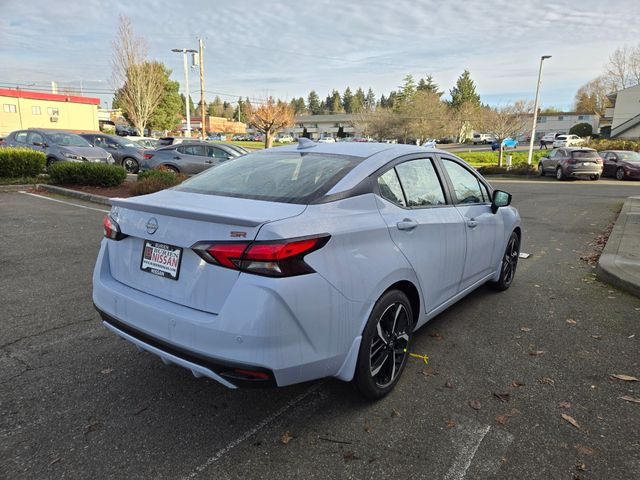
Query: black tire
541	170
392	340
595	177
131	165
620	173
50	161
508	264
560	174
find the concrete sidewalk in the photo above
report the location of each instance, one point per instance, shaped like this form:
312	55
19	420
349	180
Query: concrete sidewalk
619	263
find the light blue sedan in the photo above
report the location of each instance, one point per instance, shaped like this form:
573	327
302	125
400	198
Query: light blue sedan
506	144
301	262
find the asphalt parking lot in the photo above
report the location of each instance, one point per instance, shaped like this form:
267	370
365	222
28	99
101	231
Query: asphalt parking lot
77	402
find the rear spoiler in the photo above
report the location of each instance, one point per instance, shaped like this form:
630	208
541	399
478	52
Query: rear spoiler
217	217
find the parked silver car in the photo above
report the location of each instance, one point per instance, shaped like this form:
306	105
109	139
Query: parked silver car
58	146
188	158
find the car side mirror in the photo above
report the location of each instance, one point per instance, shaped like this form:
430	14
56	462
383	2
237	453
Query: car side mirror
500	199
613	158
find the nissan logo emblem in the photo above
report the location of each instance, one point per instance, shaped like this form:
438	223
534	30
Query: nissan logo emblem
152	226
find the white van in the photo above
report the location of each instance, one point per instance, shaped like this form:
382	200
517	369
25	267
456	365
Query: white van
483	138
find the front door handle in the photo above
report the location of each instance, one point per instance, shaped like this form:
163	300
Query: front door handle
472	223
176	158
406	224
208	162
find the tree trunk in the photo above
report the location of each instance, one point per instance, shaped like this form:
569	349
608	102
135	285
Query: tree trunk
268	139
500	155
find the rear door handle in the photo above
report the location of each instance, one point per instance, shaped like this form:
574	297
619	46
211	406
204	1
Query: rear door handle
406	224
472	223
176	158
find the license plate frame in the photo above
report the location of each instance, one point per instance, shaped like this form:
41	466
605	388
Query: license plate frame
148	265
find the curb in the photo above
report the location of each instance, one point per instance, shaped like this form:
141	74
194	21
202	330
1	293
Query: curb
619	263
16	188
90	197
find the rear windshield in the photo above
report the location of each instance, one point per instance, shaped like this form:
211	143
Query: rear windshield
584	154
289	177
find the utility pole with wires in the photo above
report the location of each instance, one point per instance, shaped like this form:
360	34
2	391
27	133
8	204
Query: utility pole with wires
202	112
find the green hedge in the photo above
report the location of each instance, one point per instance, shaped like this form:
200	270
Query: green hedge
21	162
491	158
521	169
86	173
613	144
155	180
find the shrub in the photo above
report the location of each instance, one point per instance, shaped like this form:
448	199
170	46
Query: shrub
21	162
86	173
521	169
583	129
155	180
491	158
613	144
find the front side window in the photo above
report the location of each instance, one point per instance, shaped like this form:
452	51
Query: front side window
466	185
9	108
191	149
390	188
289	177
35	138
21	137
420	183
214	152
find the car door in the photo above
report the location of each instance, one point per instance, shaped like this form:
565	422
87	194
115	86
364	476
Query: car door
215	156
36	141
610	164
472	198
554	158
191	158
427	229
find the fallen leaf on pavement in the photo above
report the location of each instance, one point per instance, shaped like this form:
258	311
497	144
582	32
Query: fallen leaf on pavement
516	384
429	372
475	404
448	384
503	397
451	424
622	376
571	321
395	413
536	353
547	380
583	450
564	405
582	467
106	371
348	456
525	329
436	335
286	438
367	428
502	419
629	398
571	420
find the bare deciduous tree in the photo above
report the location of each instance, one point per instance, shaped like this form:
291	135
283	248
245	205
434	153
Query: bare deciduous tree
623	68
507	121
140	82
427	116
271	117
592	96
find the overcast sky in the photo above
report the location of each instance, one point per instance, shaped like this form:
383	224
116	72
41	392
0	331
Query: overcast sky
287	48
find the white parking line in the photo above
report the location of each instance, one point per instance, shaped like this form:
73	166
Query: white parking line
62	201
468	450
252	431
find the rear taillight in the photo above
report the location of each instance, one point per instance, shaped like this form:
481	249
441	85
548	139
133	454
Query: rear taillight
572	161
281	258
111	229
147	156
600	160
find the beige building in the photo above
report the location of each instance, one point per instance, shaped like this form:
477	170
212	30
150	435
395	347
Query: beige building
20	109
623	118
561	122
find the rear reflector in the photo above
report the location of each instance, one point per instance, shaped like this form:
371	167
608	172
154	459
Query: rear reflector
147	156
282	258
252	374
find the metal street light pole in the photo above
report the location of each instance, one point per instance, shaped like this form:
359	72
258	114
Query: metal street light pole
535	109
184	52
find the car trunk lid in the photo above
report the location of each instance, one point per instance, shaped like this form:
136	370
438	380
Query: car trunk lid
179	220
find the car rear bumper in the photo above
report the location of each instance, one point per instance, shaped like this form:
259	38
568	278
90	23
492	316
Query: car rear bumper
294	330
587	171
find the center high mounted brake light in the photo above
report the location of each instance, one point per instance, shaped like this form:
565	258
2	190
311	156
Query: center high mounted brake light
280	258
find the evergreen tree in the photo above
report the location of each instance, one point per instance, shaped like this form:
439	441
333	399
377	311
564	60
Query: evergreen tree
313	103
298	106
464	92
407	91
370	100
167	115
192	108
383	101
227	110
335	102
347	98
427	84
360	99
216	107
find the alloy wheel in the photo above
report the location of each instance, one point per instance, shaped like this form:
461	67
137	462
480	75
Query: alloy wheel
620	174
510	260
130	165
388	350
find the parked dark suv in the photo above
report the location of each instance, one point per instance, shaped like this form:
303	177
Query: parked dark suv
125	152
58	146
571	163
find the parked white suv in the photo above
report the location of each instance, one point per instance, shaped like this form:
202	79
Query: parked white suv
285	138
567	141
483	138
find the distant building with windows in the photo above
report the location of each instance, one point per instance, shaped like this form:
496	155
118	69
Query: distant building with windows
561	122
22	109
622	119
338	125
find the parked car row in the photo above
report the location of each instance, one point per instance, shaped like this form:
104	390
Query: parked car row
582	162
558	140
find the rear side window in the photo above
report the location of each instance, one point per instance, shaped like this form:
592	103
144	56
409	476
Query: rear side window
390	187
21	137
466	185
289	177
584	154
191	149
420	183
